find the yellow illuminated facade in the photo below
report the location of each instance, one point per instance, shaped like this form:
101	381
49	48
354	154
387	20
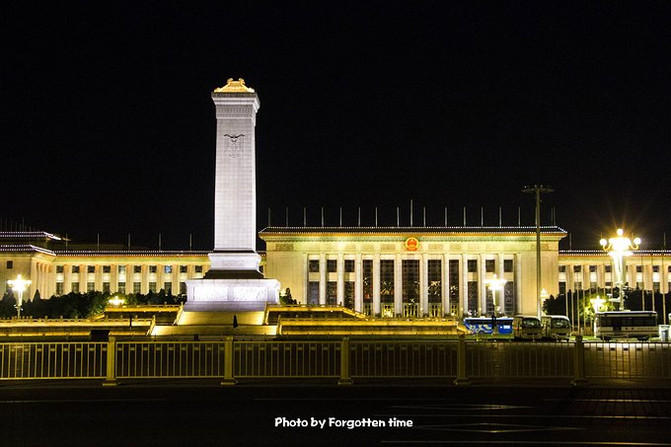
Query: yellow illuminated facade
440	272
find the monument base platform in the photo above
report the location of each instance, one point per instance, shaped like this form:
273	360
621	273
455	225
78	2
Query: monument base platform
226	295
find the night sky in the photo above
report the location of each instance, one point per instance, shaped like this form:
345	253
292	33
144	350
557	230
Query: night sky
108	127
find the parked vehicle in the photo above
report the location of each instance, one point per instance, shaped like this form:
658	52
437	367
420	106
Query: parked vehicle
556	327
527	327
484	325
625	323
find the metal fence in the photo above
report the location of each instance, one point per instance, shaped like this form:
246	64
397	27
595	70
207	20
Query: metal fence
255	359
628	360
390	358
524	360
64	360
343	359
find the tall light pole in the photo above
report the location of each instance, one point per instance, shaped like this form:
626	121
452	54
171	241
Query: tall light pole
618	248
19	285
538	190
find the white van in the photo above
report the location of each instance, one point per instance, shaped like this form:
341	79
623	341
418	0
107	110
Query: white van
527	327
556	327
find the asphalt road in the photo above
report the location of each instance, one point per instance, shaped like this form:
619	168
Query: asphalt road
276	413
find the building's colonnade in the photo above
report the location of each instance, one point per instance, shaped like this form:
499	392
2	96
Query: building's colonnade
392	273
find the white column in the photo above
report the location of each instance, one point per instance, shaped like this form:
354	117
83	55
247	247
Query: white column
445	274
306	281
340	291
463	298
482	287
499	295
398	285
376	285
423	287
322	279
358	283
518	284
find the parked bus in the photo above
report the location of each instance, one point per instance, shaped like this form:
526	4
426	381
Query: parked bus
483	325
625	323
556	327
527	327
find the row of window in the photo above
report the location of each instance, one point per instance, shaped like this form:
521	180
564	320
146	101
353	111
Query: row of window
608	269
121	287
472	265
122	269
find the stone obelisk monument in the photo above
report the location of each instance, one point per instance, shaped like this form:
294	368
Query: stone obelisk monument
234	281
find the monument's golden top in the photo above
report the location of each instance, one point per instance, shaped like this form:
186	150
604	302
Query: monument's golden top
234	87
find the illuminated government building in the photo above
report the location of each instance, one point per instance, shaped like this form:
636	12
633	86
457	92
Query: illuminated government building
386	271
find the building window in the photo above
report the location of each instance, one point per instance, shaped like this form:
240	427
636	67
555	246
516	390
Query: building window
639	269
592	268
454	284
313	293
75	269
387	280
107	269
122	269
472	265
349	265
655	269
199	269
182	269
182	288
137	287
137	269
349	294
106	287
577	268
435	278
153	269
74	287
331	265
10	265
91	269
562	288
168	288
313	265
167	269
59	288
472	297
152	286
90	286
562	269
490	265
367	267
121	287
608	269
59	269
508	265
410	281
331	293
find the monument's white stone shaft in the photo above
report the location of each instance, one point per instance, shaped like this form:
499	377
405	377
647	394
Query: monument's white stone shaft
234	281
235	188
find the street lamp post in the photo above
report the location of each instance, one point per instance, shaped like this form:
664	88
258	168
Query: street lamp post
19	285
538	190
618	248
596	305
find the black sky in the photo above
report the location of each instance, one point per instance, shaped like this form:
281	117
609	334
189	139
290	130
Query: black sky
108	126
